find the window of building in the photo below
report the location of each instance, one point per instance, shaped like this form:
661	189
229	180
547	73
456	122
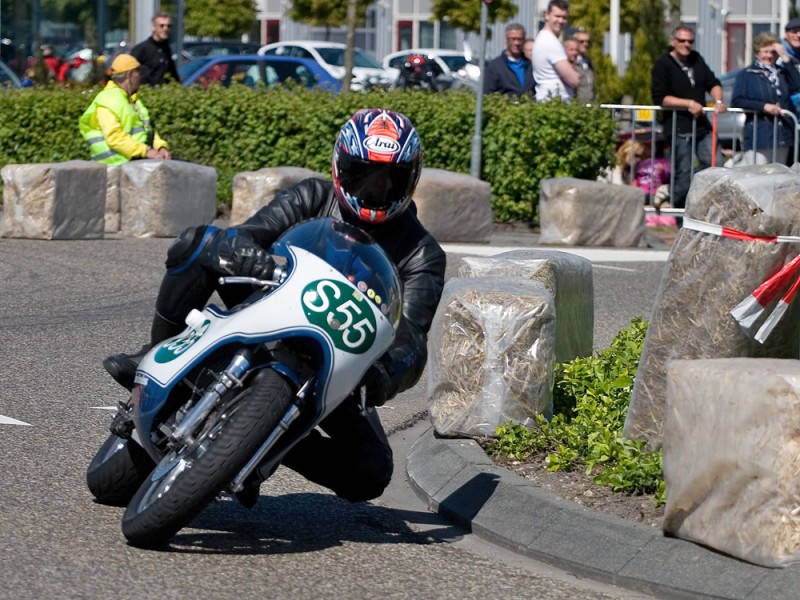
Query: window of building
405	35
447	37
272	31
736	46
426	35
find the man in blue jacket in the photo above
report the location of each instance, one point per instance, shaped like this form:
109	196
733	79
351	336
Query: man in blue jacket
510	73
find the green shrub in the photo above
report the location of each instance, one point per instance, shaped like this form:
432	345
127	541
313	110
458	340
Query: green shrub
235	130
591	397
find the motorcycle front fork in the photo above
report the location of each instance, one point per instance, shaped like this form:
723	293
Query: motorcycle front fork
289	417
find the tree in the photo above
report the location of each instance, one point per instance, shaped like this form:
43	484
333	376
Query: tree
326	13
466	14
645	19
215	18
648	44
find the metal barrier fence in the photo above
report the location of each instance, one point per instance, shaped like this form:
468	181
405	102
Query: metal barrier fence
644	126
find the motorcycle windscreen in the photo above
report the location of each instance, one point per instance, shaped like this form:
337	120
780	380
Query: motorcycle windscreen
355	255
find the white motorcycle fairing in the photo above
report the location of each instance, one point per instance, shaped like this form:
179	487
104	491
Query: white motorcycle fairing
315	301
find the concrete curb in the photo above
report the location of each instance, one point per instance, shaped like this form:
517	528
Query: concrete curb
459	481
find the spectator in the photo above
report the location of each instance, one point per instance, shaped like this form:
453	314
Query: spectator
155	55
627	157
55	65
652	176
571	49
527	49
554	75
680	81
586	88
766	87
510	73
791	42
117	124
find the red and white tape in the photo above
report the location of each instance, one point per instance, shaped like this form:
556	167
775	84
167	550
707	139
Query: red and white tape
702	226
749	310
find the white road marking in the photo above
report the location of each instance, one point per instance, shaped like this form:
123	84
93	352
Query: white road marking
104	407
593	254
10	421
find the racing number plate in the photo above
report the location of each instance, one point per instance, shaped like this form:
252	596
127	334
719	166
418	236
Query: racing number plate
342	312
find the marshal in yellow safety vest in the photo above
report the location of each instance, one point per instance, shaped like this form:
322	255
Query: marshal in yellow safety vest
117	124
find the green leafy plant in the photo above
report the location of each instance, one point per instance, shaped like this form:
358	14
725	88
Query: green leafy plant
235	130
591	398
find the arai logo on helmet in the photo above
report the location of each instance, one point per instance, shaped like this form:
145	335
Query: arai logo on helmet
382	144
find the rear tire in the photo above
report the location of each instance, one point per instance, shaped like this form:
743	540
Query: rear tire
184	482
117	470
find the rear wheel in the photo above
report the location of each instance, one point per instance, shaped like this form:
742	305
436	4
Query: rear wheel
117	470
187	479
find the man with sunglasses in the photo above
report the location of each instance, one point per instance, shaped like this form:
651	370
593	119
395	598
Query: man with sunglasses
680	81
155	55
583	64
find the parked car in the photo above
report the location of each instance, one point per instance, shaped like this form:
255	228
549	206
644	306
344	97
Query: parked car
452	63
367	71
253	70
196	49
8	79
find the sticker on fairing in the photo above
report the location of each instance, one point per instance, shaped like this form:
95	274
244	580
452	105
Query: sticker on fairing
342	312
181	344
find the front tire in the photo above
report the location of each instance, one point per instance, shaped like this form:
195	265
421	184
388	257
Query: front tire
187	479
117	470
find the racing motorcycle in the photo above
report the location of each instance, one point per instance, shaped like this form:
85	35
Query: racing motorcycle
228	397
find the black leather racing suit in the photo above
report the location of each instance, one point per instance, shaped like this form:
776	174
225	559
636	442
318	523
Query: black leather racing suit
355	461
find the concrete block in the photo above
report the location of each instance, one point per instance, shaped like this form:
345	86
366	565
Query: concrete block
577	212
54	201
254	189
454	207
161	198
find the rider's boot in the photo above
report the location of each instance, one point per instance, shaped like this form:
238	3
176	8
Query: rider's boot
249	494
122	367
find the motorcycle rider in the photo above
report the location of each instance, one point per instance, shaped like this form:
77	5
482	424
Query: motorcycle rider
377	160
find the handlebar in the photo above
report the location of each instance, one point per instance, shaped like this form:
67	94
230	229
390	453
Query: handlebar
277	277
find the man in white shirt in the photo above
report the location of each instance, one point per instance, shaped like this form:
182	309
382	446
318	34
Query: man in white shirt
554	75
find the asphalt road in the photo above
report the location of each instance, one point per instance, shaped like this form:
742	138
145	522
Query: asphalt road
66	305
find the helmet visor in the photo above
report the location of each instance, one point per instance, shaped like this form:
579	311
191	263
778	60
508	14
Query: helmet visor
374	185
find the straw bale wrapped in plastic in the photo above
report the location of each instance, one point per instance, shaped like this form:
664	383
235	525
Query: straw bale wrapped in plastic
491	355
732	456
708	274
566	276
577	212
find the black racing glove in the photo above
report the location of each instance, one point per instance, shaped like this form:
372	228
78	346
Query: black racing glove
378	385
234	252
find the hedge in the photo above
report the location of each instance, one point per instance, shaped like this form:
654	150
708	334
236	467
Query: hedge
235	130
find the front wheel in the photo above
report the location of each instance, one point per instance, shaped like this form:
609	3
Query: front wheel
187	479
117	470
